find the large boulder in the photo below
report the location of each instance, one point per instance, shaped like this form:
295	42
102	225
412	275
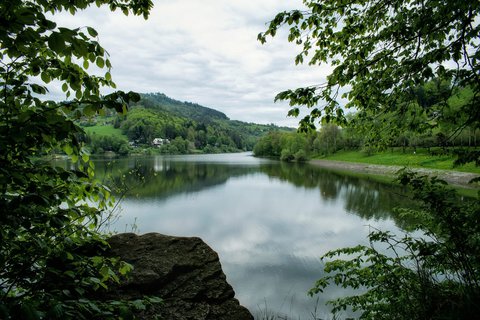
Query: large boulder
185	272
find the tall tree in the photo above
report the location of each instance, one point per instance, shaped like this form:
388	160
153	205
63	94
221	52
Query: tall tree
51	254
381	50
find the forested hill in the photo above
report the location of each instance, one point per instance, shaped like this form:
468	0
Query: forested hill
185	109
162	124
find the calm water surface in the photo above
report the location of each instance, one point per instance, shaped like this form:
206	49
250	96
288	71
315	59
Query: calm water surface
269	221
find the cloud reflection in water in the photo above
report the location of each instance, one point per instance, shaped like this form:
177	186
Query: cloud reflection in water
268	229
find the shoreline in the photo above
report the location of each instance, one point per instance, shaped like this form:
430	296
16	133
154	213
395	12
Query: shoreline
454	178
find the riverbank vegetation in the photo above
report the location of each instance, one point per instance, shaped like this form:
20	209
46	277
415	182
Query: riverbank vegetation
421	158
276	144
424	140
409	70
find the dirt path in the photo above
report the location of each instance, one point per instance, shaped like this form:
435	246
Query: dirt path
456	178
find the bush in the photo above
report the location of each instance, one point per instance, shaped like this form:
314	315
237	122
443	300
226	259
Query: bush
432	276
287	155
99	144
53	261
301	156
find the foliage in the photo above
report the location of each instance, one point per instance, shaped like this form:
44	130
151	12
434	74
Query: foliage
287	146
431	116
269	146
183	109
98	144
190	127
381	51
435	275
329	139
143	125
52	259
413	132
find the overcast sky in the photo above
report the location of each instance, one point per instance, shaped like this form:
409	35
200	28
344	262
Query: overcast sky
204	52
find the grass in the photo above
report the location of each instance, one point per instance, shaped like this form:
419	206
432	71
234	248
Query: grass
264	313
104	130
420	159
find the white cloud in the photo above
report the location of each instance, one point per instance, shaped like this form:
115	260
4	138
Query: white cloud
205	52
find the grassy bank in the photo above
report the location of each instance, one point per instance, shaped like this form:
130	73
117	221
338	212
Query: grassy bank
104	130
420	159
389	179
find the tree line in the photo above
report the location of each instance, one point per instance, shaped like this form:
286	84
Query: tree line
433	120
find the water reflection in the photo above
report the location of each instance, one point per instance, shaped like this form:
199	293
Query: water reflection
364	197
162	177
268	221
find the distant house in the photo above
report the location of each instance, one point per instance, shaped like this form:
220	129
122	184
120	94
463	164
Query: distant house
157	142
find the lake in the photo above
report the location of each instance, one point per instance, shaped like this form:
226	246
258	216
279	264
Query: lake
269	221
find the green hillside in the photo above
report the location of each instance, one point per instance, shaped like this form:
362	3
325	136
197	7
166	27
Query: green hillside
189	110
103	130
161	124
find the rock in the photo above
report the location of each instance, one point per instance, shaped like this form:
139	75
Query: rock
185	272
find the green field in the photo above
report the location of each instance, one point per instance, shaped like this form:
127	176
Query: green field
104	130
420	159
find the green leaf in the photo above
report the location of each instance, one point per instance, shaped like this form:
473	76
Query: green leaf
56	42
45	77
90	172
68	149
100	62
92	32
25	17
92	57
138	304
38	89
125	268
294	112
